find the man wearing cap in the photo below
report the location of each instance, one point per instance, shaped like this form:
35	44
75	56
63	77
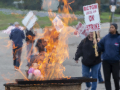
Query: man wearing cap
17	36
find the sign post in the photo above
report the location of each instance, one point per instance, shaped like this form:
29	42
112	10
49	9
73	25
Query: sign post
113	8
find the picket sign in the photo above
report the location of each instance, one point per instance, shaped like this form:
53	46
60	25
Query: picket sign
29	20
81	30
58	24
84	33
92	20
92	17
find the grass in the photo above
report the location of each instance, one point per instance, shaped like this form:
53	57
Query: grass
5	20
106	16
76	12
44	21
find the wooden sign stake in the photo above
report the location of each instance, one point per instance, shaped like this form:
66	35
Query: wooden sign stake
94	38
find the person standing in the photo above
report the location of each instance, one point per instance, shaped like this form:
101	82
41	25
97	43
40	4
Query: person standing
110	46
86	50
17	36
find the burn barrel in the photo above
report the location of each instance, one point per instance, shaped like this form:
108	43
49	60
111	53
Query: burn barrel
73	83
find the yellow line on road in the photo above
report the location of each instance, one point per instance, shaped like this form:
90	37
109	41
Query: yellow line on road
104	27
4	37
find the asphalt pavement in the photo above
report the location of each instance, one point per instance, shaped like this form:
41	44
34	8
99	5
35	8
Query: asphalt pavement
8	74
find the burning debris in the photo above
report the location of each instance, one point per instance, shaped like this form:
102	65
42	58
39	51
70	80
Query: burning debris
53	48
50	62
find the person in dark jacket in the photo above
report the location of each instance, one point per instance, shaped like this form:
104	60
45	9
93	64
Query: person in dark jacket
89	61
110	46
17	36
30	39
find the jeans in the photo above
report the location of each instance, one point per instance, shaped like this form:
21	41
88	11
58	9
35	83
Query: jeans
99	75
29	51
94	72
108	69
17	56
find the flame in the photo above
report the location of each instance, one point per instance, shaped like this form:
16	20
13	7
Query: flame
50	62
9	44
57	48
6	79
23	75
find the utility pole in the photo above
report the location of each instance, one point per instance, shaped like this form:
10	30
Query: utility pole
98	1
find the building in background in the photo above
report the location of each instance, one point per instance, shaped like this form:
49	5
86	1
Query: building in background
50	5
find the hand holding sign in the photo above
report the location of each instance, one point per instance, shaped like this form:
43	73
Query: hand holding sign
76	32
81	30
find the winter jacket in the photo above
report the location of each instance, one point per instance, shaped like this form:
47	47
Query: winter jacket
17	36
87	51
110	46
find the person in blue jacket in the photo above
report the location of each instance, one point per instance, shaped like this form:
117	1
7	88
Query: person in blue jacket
17	36
110	46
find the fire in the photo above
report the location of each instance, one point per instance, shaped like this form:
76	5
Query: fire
9	44
57	48
50	62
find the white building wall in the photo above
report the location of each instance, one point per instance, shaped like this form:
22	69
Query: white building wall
50	5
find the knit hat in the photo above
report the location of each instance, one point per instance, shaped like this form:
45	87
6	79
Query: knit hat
115	25
16	23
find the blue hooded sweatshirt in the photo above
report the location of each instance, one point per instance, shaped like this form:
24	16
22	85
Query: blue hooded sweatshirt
110	46
17	36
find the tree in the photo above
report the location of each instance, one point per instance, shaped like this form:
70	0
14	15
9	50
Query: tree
33	4
78	4
98	1
7	2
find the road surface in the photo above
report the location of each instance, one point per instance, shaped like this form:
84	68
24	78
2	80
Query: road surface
8	74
